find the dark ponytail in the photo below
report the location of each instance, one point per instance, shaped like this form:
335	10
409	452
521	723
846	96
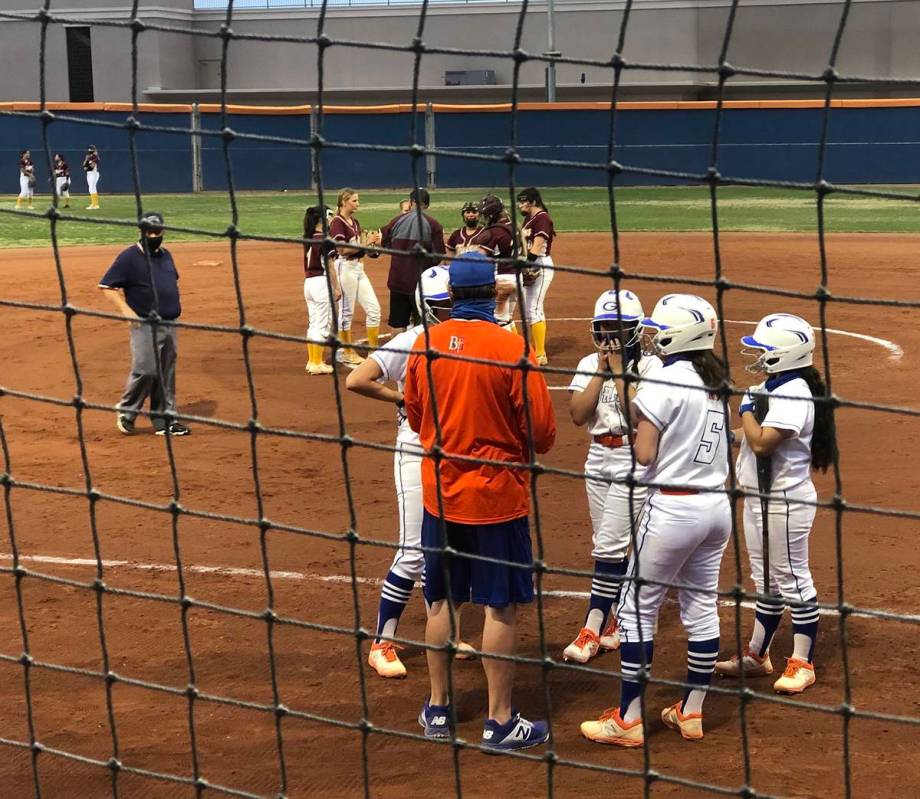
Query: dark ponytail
711	370
824	435
311	219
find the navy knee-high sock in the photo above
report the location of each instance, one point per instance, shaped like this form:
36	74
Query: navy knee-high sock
805	631
605	592
768	614
631	688
701	660
393	599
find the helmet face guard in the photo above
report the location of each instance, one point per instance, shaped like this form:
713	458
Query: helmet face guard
614	334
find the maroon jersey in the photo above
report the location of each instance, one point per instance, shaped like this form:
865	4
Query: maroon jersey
536	225
91	162
26	167
497	241
61	170
460	240
404	232
315	256
346	233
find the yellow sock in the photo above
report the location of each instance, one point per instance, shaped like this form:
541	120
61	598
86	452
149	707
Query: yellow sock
538	333
94	200
19	202
312	356
373	336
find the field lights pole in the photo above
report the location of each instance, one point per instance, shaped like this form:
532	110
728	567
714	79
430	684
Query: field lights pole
551	52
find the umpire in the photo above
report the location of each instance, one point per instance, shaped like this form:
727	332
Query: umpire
404	232
127	284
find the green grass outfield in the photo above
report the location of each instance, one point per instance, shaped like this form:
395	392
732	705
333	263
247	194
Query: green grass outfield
573	209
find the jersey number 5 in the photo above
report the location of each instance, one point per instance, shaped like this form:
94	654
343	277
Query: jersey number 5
712	437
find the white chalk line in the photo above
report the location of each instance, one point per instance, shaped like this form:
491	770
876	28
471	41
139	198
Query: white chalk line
236	571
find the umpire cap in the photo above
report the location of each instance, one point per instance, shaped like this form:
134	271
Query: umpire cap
472	269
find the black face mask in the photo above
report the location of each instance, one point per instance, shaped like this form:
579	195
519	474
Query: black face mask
152	243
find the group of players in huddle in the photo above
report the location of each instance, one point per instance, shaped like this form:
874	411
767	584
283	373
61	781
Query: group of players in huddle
28	180
650	397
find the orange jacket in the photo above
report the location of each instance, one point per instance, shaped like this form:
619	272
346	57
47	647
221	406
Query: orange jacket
482	415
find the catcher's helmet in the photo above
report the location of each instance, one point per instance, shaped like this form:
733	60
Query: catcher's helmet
491	207
91	148
682	323
781	342
469	208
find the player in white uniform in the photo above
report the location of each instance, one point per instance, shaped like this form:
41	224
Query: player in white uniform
596	404
682	437
794	435
26	180
388	365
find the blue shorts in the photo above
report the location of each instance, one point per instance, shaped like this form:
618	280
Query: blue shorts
494	584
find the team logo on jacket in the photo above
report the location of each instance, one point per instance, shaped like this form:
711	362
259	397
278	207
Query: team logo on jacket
456	344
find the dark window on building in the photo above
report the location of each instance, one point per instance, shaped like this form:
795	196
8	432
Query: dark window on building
80	64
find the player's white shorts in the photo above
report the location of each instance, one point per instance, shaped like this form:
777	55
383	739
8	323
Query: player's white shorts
681	540
409	561
504	308
319	308
535	293
25	190
92	180
609	503
789	524
356	290
59	184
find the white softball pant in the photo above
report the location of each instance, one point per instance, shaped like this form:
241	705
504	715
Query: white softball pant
319	308
681	540
535	293
609	502
356	290
409	561
504	309
25	190
59	187
789	524
92	179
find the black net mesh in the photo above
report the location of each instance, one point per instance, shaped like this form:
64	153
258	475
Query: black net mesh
350	635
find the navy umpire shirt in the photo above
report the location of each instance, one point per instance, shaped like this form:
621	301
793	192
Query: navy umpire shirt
130	272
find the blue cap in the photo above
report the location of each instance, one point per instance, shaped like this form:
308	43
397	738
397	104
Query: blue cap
472	269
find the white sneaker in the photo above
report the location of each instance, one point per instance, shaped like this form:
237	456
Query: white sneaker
318	369
749	663
798	676
465	652
610	638
384	660
583	648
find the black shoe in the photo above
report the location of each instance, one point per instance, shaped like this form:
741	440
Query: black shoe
175	429
125	424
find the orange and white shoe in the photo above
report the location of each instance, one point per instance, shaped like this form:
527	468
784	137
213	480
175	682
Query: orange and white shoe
749	663
689	726
798	676
384	660
584	647
611	729
465	652
610	638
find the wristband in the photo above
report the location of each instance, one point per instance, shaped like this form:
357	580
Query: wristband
747	407
532	257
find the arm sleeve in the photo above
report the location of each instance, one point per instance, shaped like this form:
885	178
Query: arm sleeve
542	415
386	233
116	277
413	391
787	414
587	365
437	237
657	402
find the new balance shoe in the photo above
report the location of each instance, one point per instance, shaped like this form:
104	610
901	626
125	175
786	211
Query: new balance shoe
610	638
798	676
749	663
436	720
517	733
125	424
384	660
611	729
465	652
173	429
584	647
690	726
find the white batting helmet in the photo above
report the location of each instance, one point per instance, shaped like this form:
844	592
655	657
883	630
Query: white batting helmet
615	306
432	292
682	323
782	342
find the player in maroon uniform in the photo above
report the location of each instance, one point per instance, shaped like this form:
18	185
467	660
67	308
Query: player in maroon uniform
459	241
318	260
62	179
537	232
496	240
26	180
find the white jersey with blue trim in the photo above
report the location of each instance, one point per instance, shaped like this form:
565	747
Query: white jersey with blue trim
608	416
393	359
791	409
693	441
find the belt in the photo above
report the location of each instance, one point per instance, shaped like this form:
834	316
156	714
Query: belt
609	440
679	492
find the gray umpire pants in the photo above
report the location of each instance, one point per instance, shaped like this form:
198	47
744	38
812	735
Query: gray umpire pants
144	379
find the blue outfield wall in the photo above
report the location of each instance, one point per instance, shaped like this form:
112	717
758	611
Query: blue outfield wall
865	145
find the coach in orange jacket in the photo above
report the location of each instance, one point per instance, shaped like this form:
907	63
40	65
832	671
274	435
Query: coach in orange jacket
482	414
